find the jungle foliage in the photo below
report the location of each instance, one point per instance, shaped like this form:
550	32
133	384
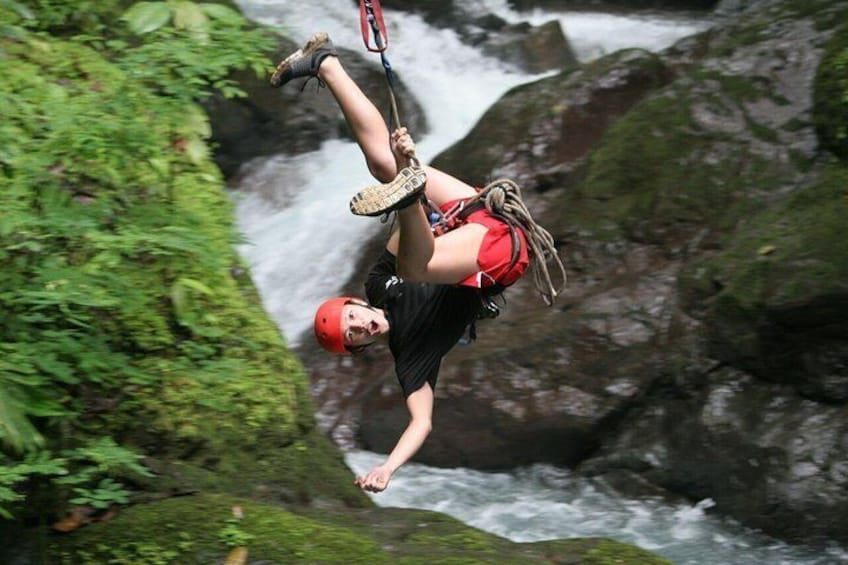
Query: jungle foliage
126	315
831	95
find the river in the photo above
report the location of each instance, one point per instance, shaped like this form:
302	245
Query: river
295	266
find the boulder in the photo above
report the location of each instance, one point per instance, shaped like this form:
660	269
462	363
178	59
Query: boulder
531	49
537	132
757	450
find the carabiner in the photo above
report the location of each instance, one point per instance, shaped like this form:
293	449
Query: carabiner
371	22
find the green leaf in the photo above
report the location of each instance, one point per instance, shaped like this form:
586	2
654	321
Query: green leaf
61	371
22	10
222	13
15	428
188	15
18	34
160	166
196	150
196	285
196	122
145	17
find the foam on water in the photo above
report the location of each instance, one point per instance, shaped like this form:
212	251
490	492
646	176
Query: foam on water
593	34
544	502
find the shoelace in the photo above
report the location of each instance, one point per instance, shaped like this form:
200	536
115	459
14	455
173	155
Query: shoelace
321	83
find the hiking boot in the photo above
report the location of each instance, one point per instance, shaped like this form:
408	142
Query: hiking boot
306	61
405	189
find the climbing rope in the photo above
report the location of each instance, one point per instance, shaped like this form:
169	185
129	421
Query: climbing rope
373	27
502	199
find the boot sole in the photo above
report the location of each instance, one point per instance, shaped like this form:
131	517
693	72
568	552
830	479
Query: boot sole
315	42
379	199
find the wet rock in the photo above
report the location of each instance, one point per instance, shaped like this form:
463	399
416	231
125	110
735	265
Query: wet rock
531	49
555	121
762	453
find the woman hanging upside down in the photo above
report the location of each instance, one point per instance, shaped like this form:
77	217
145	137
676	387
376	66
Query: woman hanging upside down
425	289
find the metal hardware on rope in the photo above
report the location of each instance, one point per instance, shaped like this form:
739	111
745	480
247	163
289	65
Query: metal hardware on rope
371	18
369	15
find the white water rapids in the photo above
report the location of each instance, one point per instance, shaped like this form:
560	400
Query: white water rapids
296	262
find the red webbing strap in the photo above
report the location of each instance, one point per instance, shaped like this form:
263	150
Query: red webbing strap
371	20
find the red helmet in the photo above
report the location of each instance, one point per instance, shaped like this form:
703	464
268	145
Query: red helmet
328	324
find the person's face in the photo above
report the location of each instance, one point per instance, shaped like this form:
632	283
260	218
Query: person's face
362	325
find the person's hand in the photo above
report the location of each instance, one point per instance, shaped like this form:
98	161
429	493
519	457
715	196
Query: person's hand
376	480
403	147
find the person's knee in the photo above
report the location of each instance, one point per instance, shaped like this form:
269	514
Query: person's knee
383	170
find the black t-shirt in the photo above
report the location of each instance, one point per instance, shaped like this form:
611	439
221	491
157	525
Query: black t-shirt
425	321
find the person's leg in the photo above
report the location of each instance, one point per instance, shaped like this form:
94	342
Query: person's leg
368	127
450	258
372	135
318	57
447	259
414	244
443	188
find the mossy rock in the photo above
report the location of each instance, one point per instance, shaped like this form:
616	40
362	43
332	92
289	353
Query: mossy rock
197	529
203	529
785	256
310	470
540	124
778	290
664	176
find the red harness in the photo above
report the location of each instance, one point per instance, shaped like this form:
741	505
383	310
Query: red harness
452	215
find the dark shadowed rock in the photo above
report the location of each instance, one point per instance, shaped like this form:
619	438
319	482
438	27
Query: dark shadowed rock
298	117
722	437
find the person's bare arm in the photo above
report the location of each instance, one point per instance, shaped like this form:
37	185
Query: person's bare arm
420	405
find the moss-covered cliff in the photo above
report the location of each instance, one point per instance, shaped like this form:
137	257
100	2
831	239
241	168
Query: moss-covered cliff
137	359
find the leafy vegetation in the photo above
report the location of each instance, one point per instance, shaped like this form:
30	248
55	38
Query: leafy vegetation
831	95
125	309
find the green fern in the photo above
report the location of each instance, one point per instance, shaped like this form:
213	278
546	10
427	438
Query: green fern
116	241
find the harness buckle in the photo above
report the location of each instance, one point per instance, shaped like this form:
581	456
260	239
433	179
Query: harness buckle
490	309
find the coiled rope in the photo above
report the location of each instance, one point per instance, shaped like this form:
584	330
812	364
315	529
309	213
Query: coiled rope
503	199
